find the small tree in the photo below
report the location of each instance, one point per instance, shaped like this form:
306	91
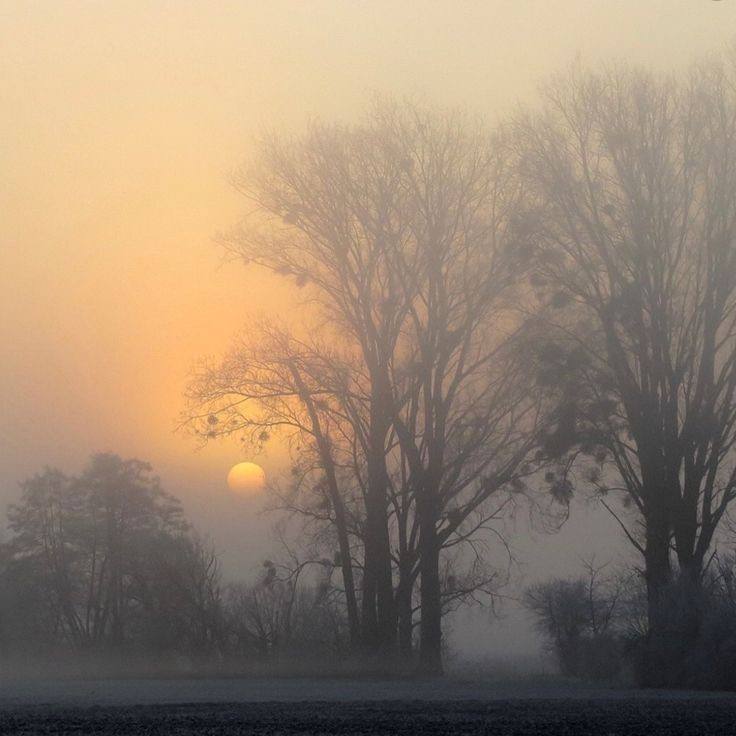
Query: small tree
579	619
89	547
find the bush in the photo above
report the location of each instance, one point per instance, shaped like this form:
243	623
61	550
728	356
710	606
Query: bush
698	646
580	620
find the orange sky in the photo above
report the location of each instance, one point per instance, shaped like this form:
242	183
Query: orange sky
119	121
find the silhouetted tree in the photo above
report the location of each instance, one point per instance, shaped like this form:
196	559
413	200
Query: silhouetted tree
466	417
46	549
331	206
282	618
125	514
107	561
632	178
581	620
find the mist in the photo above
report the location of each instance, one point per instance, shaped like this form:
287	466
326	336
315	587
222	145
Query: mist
458	279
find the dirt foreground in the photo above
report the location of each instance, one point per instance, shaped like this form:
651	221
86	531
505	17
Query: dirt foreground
290	707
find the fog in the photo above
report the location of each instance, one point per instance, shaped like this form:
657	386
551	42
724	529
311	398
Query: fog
121	124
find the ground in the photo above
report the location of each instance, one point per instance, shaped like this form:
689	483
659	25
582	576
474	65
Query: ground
290	707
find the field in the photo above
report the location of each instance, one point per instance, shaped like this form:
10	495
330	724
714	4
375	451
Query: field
290	707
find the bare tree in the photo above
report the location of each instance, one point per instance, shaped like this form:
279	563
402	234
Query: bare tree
579	618
46	525
284	615
465	417
96	547
331	206
635	217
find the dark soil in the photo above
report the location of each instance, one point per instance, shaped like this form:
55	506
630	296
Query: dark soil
621	717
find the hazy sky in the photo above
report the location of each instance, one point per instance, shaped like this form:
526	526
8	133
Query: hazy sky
119	122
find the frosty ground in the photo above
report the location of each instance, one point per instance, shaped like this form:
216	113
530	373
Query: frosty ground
314	706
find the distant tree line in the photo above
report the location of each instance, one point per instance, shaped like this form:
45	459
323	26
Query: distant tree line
104	567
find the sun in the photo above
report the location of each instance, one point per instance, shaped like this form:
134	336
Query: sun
247	479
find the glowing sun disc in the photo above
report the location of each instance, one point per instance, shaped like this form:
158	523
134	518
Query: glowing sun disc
246	478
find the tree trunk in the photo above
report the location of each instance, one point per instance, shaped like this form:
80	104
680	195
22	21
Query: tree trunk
658	576
369	619
351	600
379	611
379	615
404	609
333	489
430	643
343	540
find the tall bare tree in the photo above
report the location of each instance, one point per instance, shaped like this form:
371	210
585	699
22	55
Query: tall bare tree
465	417
331	207
634	177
